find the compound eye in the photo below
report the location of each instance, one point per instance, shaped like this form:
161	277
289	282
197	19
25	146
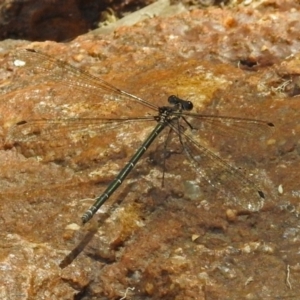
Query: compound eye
187	105
173	99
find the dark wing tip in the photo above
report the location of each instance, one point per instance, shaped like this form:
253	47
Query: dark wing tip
261	194
30	50
21	122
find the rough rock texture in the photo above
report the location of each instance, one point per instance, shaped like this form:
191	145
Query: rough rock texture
149	242
56	20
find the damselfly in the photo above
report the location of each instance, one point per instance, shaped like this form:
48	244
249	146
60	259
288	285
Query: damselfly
182	127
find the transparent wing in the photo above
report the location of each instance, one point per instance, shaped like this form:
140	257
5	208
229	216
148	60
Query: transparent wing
214	173
87	110
45	69
77	140
230	126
